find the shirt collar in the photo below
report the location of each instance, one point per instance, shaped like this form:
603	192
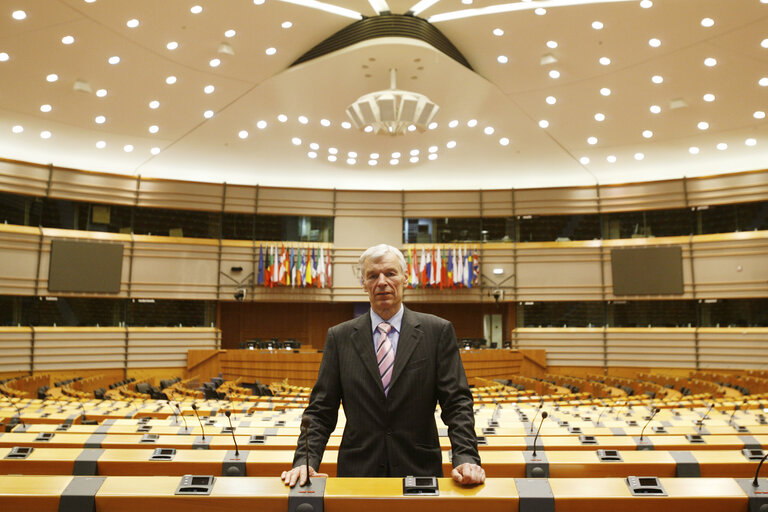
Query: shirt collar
396	321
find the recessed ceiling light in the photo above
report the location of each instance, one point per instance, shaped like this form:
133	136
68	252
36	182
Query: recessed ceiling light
258	2
655	109
67	40
170	80
710	62
374	156
647	134
17	129
373	162
543	123
311	154
154	104
100	120
498	32
296	141
394	161
703	125
654	43
208	89
208	114
759	114
605	91
551	100
764	43
351	161
466	2
282	118
261	124
4	57
472	123
325	122
722	146
763	82
553	73
314	146
331	158
396	154
286	24
19	15
605	61
303	119
552	44
352	154
591	141
693	150
540	11
502	59
101	144
432	156
101	93
154	128
709	97
155	150
214	63
414	152
270	51
230	33
432	125
597	25
172	45
133	23
611	159
45	134
488	130
346	125
45	108
600	117
453	124
114	60
584	160
750	142
646	4
504	141
411	128
243	134
196	9
639	156
707	22
333	151
128	148
657	79
451	144
432	149
414	159
52	77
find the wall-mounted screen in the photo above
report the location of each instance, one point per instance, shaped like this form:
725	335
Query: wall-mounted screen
85	267
647	271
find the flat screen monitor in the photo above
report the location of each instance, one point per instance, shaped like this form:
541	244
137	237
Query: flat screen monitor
85	267
647	271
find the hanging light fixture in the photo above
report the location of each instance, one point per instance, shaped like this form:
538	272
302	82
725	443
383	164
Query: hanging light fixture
392	111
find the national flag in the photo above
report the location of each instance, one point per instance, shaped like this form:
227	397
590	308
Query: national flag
328	271
466	267
423	280
307	268
260	274
451	264
320	269
438	268
293	267
414	275
275	266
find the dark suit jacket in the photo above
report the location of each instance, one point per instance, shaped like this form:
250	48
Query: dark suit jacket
392	435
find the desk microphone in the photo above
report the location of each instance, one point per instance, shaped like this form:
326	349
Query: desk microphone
173	411
543	417
194	408
18	411
82	415
757	472
186	428
597	423
228	414
305	424
706	416
541	404
620	409
655	411
735	408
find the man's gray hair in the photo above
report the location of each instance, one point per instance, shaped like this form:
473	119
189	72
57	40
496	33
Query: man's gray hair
379	251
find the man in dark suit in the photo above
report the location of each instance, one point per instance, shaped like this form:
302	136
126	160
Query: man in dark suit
389	368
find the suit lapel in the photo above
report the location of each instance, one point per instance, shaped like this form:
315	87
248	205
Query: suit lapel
362	338
410	335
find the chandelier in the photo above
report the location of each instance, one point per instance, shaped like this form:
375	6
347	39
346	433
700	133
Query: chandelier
392	111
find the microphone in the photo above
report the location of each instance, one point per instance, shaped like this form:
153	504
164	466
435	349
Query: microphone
194	408
543	417
82	415
305	424
655	411
182	417
173	411
597	423
541	404
619	410
735	408
228	414
754	482
18	411
706	416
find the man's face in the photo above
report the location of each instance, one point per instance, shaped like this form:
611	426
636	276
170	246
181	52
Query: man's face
384	281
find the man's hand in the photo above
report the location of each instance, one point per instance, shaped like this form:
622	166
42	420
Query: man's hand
468	474
299	474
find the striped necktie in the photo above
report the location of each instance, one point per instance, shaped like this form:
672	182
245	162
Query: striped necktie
385	356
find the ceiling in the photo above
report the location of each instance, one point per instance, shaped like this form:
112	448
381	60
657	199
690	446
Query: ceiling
550	126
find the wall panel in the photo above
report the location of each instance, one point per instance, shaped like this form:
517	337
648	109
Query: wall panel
15	349
731	266
154	347
654	347
24	178
559	271
724	189
565	347
442	204
93	187
735	349
78	348
18	254
180	195
498	203
658	195
293	201
241	199
556	201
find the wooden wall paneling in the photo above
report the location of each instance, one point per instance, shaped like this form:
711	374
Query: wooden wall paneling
153	347
368	203
682	241
497	203
467	318
731	265
571	346
180	195
15	349
654	347
23	178
498	255
556	201
240	199
58	348
93	187
442	203
175	268
559	271
293	201
728	188
237	253
657	195
18	253
733	348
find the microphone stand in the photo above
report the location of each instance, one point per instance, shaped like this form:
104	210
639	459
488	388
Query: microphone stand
543	417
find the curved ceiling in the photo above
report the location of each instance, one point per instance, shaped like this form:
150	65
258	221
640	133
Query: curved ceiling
561	92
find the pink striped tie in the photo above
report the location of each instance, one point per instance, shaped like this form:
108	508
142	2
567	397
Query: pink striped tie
385	356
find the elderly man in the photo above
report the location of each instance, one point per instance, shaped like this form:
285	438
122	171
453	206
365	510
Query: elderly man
389	368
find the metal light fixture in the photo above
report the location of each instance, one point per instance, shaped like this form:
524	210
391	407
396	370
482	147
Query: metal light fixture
392	111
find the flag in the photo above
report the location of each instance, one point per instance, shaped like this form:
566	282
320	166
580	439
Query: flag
451	264
414	275
260	275
438	268
466	264
475	268
320	269
458	272
292	277
444	271
307	268
328	271
423	269
275	266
